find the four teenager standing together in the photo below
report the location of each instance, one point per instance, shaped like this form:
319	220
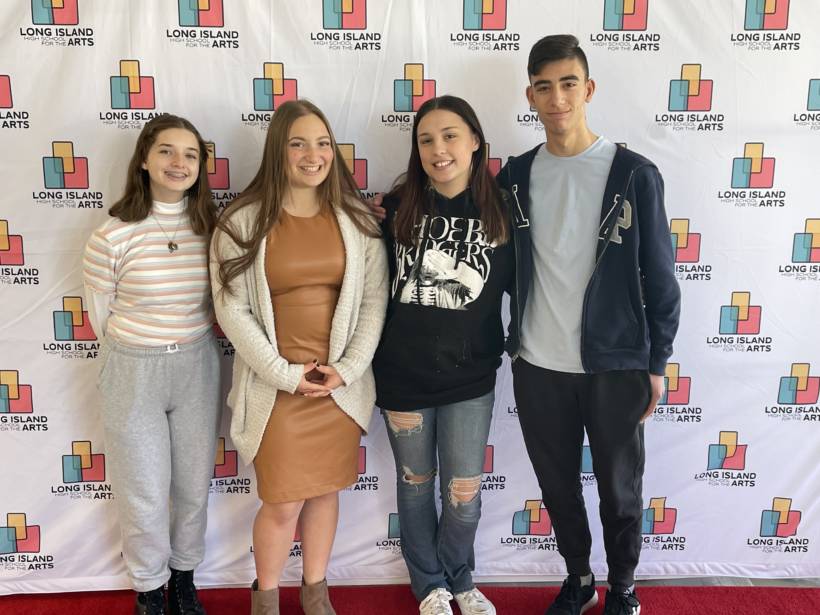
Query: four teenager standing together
575	231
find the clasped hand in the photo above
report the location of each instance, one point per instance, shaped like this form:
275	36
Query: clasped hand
318	380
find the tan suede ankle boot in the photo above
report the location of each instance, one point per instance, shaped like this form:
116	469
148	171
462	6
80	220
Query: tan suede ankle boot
264	602
315	599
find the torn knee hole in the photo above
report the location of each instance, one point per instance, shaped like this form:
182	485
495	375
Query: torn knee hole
409	422
416	479
464	490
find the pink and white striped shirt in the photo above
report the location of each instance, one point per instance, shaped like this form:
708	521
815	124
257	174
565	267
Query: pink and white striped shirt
139	292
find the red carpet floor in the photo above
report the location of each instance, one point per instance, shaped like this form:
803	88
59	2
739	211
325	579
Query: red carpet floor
397	600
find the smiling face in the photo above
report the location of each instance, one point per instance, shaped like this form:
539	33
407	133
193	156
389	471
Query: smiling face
310	152
559	93
172	164
446	145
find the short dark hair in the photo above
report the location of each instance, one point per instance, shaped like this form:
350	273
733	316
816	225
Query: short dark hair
554	48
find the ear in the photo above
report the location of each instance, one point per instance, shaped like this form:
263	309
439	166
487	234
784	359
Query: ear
590	89
476	142
144	166
529	96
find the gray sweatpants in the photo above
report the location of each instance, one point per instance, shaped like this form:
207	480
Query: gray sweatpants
161	413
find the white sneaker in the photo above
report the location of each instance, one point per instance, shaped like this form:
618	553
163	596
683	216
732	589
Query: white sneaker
437	602
474	602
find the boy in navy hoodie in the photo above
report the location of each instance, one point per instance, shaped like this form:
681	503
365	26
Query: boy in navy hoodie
596	320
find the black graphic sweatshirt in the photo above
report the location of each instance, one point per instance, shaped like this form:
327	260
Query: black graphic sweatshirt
443	337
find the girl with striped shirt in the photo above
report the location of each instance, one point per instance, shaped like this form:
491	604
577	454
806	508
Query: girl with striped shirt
146	281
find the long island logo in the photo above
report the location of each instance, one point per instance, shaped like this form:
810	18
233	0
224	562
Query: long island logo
409	93
224	343
726	463
20	546
810	118
356	166
779	527
805	253
658	527
686	245
739	326
13	268
9	116
690	103
484	27
366	481
56	23
73	336
625	27
392	543
226	469
344	25
65	180
83	474
219	177
269	91
674	405
797	395
531	529
202	24
530	119
490	480
133	98
765	25
752	182
17	405
587	471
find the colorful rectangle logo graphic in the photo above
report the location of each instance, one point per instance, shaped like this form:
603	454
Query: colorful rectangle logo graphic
799	387
82	465
813	103
201	13
11	246
806	246
226	464
753	170
676	387
485	14
19	537
586	460
625	14
534	520
130	90
393	527
219	169
71	324
767	15
64	170
493	164
414	90
361	464
690	92
780	521
15	398
273	89
6	101
727	454
740	317
356	166
657	519
54	12
685	244
489	459
344	14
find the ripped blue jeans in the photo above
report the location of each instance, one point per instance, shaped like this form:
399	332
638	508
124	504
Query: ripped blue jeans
439	551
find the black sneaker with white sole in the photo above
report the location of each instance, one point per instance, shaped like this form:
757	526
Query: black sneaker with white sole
621	602
574	598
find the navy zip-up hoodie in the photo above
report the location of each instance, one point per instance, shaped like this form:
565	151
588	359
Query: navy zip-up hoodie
632	301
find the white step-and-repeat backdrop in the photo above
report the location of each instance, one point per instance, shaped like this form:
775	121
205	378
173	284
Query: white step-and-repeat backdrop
723	95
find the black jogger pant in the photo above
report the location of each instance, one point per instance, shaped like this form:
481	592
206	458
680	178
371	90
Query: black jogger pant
554	408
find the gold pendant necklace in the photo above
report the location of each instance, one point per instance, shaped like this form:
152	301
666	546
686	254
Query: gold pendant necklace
172	245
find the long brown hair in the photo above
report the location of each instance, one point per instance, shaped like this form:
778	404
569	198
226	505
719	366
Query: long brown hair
270	185
135	203
412	188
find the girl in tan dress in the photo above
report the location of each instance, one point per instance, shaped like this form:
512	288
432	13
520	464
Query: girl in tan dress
299	280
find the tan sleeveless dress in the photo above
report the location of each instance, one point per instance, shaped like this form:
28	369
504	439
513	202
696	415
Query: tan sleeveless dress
310	446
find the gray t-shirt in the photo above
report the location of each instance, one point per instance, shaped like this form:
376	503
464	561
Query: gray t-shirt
566	194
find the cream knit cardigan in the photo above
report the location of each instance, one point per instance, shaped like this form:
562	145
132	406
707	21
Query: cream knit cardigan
246	317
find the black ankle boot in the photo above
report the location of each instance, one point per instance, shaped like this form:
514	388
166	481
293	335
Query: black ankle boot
182	598
151	603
